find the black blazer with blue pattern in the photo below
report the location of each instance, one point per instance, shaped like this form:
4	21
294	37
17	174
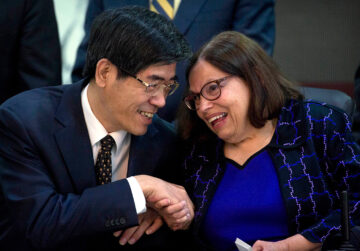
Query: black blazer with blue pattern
315	158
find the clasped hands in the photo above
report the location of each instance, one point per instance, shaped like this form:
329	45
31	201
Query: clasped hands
166	202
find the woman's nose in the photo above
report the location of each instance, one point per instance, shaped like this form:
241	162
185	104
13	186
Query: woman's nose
203	104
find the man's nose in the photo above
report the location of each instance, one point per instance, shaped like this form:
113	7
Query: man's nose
159	98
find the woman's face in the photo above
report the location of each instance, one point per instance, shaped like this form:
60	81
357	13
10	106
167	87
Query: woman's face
226	116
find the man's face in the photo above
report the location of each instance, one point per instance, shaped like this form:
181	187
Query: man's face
124	103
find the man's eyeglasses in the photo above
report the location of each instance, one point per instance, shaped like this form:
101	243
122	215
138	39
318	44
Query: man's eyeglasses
152	89
210	91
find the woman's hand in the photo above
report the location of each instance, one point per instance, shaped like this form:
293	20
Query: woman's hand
294	243
270	246
177	215
170	200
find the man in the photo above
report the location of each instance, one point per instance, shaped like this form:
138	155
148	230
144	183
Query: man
199	21
29	46
52	196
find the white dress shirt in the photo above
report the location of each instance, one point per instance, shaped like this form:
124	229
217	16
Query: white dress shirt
119	152
70	17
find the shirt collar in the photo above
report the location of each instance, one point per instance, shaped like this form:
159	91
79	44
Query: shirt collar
95	128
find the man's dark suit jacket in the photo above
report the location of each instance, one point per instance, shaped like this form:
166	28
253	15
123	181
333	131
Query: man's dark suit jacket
29	46
199	21
48	196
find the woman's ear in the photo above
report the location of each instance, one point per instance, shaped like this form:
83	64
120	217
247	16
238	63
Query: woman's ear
103	72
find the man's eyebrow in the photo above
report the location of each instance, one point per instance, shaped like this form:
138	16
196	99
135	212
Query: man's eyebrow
156	77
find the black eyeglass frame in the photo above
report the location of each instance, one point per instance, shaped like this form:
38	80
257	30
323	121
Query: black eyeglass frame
217	81
147	85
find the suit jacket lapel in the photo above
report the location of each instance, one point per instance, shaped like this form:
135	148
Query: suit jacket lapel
143	153
73	139
186	14
207	165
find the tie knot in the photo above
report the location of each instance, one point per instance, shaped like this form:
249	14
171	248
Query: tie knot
107	143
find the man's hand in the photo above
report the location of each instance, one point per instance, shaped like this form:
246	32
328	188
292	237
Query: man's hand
149	223
170	200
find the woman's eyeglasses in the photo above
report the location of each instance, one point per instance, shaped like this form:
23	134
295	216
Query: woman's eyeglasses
210	91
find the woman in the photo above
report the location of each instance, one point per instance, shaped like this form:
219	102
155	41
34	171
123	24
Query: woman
263	164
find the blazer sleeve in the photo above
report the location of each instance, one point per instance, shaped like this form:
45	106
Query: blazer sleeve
342	170
256	19
39	59
37	210
95	8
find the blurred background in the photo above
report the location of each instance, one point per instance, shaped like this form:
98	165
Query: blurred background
318	42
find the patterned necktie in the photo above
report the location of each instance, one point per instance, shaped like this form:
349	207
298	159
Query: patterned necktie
103	161
163	7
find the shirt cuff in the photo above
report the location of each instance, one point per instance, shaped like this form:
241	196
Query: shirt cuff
138	195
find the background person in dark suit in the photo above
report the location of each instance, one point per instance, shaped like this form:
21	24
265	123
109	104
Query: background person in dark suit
356	122
29	46
51	195
199	21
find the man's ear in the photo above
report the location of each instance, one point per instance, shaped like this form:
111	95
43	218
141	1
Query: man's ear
103	72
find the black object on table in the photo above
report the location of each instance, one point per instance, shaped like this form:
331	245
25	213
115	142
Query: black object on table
345	243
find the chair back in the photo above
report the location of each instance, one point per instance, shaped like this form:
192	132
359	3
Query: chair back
332	97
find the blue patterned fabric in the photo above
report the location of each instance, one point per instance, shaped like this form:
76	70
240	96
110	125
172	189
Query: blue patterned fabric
315	157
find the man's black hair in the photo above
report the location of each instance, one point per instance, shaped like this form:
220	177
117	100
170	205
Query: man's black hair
133	38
